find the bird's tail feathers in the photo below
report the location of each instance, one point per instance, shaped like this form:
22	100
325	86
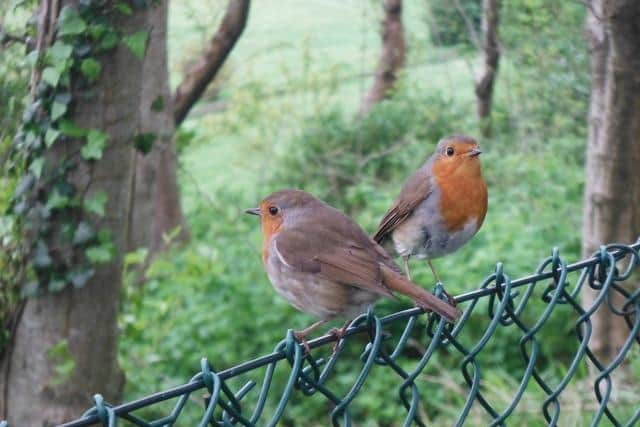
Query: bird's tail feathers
423	298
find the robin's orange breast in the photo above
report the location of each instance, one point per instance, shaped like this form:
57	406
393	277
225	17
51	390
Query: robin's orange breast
463	196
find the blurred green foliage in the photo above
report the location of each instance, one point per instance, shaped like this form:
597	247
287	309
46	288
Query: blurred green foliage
338	157
450	21
543	42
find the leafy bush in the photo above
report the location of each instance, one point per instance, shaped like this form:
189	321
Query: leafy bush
336	156
447	26
546	90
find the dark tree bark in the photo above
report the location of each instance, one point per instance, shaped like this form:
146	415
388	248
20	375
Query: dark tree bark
491	59
612	193
392	57
202	73
156	204
82	322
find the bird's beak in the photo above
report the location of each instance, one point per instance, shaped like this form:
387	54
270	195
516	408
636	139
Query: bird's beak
253	211
475	152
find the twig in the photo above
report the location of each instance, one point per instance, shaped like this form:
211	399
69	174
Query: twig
383	153
7	39
473	34
589	6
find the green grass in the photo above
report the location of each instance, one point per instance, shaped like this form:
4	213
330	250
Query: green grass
293	37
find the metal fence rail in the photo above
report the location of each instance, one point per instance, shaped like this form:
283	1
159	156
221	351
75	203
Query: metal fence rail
605	272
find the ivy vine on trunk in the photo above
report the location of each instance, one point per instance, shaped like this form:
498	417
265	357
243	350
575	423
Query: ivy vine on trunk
55	209
74	151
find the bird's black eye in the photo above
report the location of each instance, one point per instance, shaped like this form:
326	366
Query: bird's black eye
273	210
450	151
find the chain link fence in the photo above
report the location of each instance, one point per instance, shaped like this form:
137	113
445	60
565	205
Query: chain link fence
508	305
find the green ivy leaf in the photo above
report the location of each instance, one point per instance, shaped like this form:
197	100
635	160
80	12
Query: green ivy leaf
58	54
97	30
41	258
70	22
50	136
100	254
104	235
56	285
158	104
31	59
83	48
137	43
36	166
60	354
109	40
144	141
96	141
57	110
31	111
51	76
96	203
57	201
63	98
80	277
59	350
63	371
68	128
83	234
25	183
90	68
30	139
124	8
136	257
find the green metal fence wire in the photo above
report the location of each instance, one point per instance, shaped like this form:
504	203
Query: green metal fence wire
605	272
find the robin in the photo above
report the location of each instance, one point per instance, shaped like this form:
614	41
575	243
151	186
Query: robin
324	264
440	207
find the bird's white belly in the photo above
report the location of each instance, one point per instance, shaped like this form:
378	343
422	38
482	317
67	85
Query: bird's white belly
423	234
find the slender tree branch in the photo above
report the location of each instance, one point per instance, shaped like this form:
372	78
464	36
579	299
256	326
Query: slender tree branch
588	5
204	71
471	29
7	39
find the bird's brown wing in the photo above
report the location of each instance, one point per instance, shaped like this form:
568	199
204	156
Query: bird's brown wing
416	189
334	247
348	263
336	253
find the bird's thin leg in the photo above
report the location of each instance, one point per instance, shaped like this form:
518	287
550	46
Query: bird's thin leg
339	333
406	266
301	335
433	270
446	294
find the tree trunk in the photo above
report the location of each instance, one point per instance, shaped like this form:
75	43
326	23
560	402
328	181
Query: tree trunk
202	73
392	57
157	209
612	193
156	204
77	328
491	58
